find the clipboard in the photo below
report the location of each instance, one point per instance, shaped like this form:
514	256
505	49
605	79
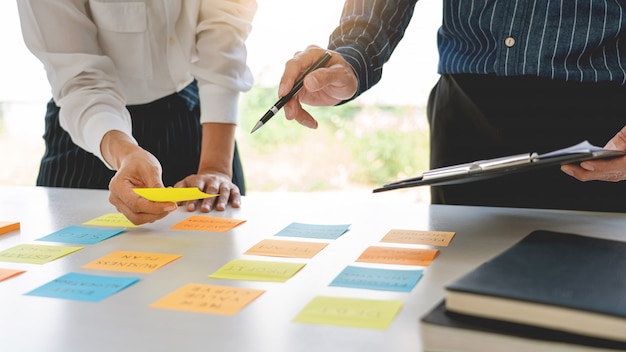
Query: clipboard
490	168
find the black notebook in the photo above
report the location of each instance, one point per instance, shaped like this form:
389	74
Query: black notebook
442	330
552	280
484	169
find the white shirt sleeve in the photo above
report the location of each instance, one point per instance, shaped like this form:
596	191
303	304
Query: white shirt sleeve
101	55
221	70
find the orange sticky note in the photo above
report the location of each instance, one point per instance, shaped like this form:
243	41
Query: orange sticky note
208	299
7	273
136	262
288	249
433	238
7	226
400	256
207	223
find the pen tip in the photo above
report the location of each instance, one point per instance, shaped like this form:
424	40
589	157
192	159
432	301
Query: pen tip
256	127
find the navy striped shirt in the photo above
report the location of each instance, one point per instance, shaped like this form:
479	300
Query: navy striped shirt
568	40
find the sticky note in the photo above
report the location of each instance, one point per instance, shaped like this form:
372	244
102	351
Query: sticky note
207	223
83	287
257	270
81	235
136	262
378	279
399	256
287	249
360	313
111	220
208	299
7	226
172	194
35	253
8	273
432	238
327	232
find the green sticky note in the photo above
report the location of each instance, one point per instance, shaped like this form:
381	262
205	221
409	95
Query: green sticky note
257	270
360	313
35	253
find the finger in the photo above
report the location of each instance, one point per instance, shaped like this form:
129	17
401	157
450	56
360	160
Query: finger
598	170
222	199
207	204
304	118
294	111
136	217
618	142
296	66
192	205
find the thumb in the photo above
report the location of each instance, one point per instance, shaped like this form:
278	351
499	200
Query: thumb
618	142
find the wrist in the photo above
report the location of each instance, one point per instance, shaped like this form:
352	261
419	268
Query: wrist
115	147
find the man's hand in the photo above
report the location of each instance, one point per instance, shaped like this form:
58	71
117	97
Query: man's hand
610	170
325	86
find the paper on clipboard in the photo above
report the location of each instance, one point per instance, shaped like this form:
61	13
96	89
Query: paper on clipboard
483	169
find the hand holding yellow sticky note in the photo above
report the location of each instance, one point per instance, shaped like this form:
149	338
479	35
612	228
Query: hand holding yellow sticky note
172	194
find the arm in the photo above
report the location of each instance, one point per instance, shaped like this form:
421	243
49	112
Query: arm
84	82
368	33
222	73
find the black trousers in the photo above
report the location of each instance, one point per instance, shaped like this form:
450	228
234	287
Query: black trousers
478	117
166	128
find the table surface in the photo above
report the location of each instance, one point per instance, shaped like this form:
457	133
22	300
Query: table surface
125	322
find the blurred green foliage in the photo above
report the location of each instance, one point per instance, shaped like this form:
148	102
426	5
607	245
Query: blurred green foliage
367	145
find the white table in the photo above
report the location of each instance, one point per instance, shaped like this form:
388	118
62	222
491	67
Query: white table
125	322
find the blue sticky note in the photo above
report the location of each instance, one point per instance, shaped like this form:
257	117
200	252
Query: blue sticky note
327	232
378	279
81	235
83	287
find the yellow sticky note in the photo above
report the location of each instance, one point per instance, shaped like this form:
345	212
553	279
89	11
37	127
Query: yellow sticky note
171	194
433	238
398	256
112	220
361	313
136	262
209	299
207	223
257	270
288	249
6	226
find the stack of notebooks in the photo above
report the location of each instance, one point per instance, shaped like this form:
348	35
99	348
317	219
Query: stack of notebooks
549	292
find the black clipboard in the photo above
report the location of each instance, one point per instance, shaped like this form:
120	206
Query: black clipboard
484	169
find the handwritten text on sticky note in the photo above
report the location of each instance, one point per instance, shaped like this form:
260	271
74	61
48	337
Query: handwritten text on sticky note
399	256
136	262
432	238
208	299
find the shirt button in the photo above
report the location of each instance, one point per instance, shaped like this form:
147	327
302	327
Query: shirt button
509	41
172	41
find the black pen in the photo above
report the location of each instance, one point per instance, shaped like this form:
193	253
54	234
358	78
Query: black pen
296	88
